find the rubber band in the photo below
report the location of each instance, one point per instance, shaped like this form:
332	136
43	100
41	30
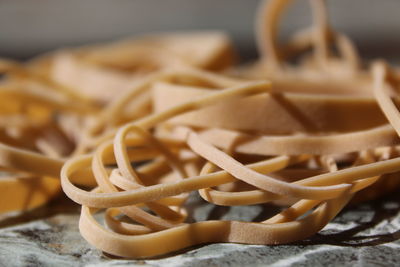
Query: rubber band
133	128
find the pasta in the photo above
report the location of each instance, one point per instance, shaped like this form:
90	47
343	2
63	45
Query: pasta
131	128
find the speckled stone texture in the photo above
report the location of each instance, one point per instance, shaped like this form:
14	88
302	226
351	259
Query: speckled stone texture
364	235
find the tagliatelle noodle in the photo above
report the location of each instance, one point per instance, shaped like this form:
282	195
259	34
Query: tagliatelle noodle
135	126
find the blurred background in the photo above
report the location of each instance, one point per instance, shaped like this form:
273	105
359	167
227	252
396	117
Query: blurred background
30	27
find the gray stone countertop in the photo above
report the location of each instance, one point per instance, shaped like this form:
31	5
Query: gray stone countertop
363	235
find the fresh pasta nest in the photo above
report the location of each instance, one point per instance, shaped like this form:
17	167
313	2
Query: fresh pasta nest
131	128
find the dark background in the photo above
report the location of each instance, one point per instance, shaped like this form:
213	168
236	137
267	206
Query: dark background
29	27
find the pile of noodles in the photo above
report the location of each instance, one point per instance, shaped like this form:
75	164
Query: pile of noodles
131	128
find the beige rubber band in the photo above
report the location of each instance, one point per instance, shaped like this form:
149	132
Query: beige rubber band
134	127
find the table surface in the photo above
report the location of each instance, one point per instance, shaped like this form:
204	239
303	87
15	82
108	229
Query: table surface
363	235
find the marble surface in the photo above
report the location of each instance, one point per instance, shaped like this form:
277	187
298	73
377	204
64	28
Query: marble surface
364	235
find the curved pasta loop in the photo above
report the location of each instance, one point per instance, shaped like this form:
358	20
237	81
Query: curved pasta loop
134	129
